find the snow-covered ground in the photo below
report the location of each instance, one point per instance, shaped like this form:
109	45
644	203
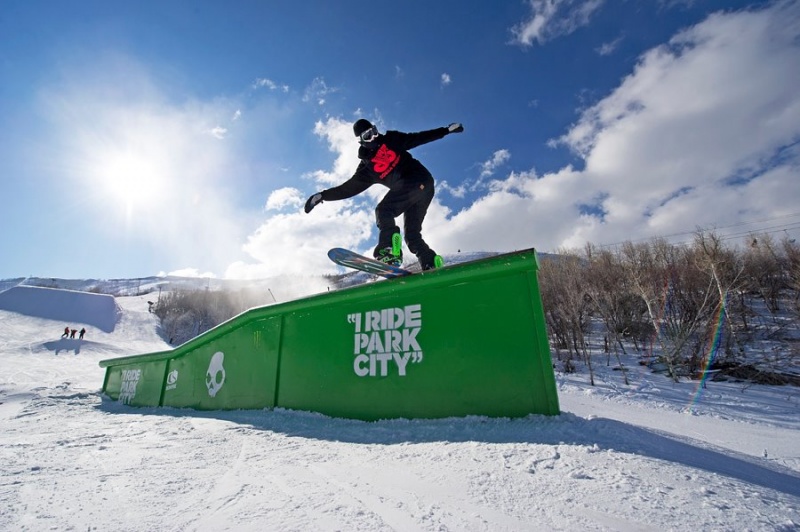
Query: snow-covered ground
654	455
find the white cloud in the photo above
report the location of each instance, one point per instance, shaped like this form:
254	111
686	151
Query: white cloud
339	135
459	191
554	18
699	134
446	80
218	132
677	3
499	158
283	198
487	169
188	272
318	91
265	83
295	242
609	48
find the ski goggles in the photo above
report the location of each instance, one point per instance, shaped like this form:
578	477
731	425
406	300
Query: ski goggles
369	134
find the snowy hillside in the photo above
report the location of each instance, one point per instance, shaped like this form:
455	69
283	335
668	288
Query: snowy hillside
653	455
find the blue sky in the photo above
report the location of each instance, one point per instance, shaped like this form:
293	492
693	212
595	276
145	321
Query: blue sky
159	137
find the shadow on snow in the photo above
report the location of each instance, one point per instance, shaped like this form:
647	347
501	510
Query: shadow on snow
565	429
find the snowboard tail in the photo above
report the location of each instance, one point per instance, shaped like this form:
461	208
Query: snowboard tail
351	259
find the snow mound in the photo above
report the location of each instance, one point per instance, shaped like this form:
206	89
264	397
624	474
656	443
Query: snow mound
69	306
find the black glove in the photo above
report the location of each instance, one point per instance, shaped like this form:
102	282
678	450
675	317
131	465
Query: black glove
455	127
313	201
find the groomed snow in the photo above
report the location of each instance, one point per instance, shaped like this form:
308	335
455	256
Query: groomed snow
654	455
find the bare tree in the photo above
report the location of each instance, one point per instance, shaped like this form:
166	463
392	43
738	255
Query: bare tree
696	303
607	291
185	314
726	271
791	250
565	306
763	272
676	295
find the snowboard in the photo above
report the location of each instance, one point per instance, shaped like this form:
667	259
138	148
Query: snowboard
351	259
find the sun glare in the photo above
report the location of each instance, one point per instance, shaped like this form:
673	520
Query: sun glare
130	179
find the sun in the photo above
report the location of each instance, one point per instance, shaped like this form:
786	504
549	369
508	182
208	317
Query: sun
133	179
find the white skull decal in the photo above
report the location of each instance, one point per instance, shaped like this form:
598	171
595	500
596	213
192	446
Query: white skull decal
215	376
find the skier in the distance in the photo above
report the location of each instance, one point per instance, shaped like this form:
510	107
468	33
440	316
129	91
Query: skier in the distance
385	160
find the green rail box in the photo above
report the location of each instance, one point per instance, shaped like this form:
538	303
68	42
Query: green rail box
467	339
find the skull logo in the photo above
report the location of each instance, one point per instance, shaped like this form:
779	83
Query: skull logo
215	376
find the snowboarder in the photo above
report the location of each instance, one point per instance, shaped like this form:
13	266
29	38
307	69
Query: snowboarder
385	160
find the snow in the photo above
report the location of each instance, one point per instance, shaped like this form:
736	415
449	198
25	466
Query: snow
652	455
96	310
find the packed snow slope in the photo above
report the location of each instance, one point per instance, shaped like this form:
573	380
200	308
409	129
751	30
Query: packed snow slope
652	455
96	310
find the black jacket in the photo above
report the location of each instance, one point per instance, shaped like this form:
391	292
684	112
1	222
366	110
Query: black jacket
386	160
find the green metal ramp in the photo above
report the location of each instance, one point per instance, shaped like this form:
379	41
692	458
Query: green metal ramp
468	339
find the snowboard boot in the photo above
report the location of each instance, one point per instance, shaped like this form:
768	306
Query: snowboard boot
387	256
436	261
397	246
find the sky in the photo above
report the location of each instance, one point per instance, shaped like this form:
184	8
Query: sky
145	138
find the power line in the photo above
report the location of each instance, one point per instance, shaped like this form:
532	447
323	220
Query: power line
791	225
766	230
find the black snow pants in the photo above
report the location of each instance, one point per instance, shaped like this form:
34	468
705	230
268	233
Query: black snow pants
412	201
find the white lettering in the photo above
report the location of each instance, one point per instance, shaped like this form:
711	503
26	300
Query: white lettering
392	340
356	319
383	358
385	339
413	316
410	340
373	319
375	345
396	318
401	362
358	365
361	341
127	388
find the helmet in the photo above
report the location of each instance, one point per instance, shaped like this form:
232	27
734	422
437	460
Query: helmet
361	125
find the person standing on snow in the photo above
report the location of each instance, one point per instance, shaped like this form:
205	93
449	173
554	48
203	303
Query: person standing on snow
385	160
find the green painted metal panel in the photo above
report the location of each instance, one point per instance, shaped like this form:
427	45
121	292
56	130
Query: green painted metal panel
236	370
425	352
464	340
136	384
